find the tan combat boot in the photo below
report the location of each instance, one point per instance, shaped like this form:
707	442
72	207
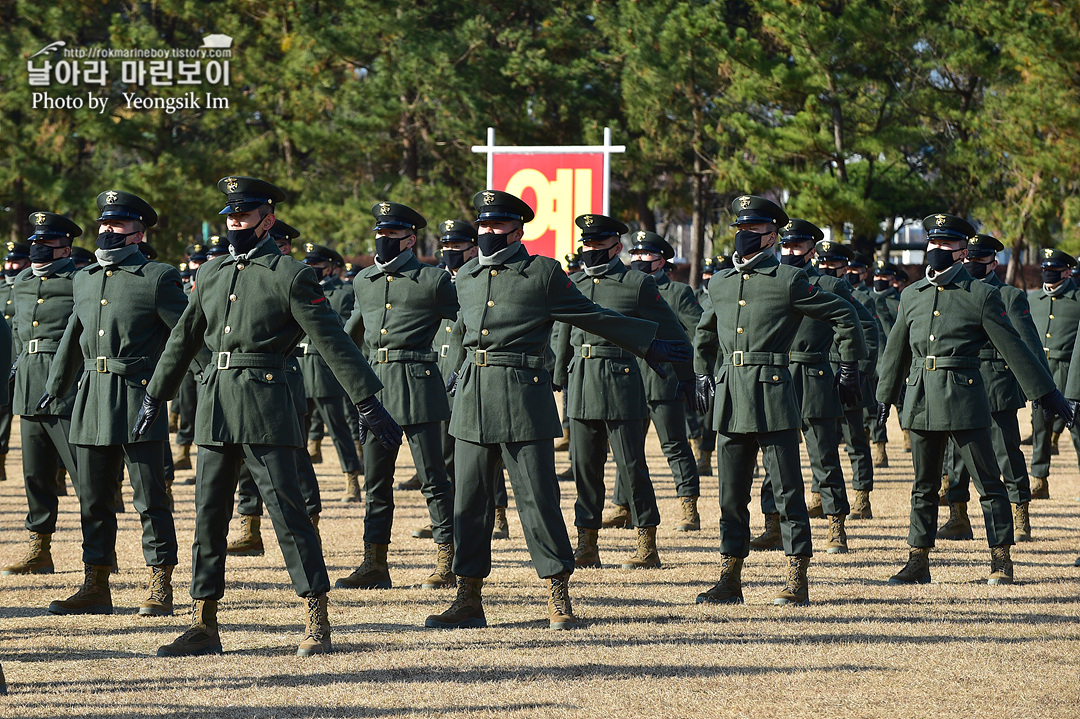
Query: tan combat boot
905	440
617	518
250	542
837	543
813	507
646	555
880	457
943	492
38	558
502	526
1054	438
93	596
373	573
917	569
691	520
860	508
796	591
314	450
1021	522
352	488
409	484
317	633
315	525
201	637
424	532
729	589
159	603
560	613
587	553
1001	566
958	526
443	576
770	538
563	445
704	463
1040	488
174	421
183	458
467	609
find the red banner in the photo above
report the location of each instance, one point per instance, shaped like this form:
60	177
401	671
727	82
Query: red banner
559	187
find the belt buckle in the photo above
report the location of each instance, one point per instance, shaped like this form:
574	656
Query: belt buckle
737	358
32	347
586	351
101	364
223	359
1047	351
480	358
303	347
444	351
931	363
382	355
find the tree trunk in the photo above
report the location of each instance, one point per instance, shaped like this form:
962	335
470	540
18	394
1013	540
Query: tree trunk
697	224
1014	274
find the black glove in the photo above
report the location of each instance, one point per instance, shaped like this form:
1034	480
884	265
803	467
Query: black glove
705	391
849	383
882	414
661	351
1055	403
45	401
686	390
451	384
149	411
375	419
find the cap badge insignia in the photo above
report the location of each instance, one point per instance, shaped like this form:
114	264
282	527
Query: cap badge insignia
641	236
39	218
826	245
489	197
384	208
744	202
1048	253
940	220
110	197
231	183
587	220
310	247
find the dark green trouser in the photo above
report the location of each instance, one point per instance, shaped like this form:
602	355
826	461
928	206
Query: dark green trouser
1005	433
590	438
44	446
251	503
693	424
5	428
531	466
185	404
736	455
331	411
976	449
100	473
823	448
670	421
425	441
708	434
853	427
274	471
1040	441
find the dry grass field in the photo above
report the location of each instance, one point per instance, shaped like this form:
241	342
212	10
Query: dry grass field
954	648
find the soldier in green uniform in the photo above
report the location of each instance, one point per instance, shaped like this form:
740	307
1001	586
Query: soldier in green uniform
1055	310
745	334
812	378
16	260
943	323
400	306
326	398
608	401
667	409
1006	397
43	305
249	542
505	407
187	399
250	309
125	307
887	302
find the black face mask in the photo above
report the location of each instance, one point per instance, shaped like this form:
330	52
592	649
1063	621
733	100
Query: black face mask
194	271
492	242
42	253
940	259
595	258
112	240
642	266
747	242
453	259
978	270
387	248
1051	276
793	260
853	278
830	272
243	240
12	272
882	284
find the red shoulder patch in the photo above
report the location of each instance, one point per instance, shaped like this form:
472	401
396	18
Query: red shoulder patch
569	282
657	295
318	300
813	289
